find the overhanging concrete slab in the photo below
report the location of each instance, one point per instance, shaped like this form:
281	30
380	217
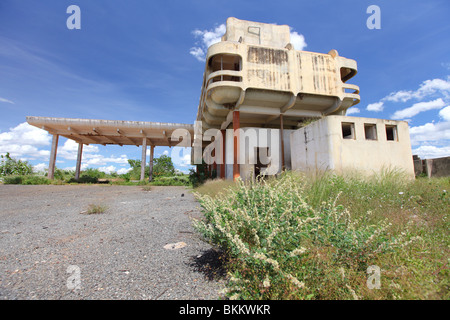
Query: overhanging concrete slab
114	132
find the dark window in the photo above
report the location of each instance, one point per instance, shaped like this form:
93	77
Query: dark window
370	131
348	130
391	133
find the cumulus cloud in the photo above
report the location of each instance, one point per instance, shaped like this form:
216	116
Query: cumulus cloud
431	152
445	113
430	132
375	107
432	140
429	140
181	157
123	170
298	40
108	169
40	167
427	89
69	150
24	142
100	160
27	142
418	107
198	53
206	39
353	110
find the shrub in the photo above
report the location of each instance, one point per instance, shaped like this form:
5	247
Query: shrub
95	209
171	181
201	175
35	180
84	179
13	180
28	180
282	247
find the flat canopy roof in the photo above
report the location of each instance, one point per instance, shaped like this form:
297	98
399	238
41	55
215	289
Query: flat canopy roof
91	131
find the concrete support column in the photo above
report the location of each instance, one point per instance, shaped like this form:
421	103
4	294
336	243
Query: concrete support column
236	127
144	158
150	171
222	166
282	143
51	164
78	165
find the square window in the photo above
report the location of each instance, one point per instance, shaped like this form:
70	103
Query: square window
348	130
370	131
391	133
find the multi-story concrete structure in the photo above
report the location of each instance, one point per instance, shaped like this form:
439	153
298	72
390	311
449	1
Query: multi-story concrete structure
255	80
258	95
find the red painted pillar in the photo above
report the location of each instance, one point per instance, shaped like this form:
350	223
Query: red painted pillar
222	166
236	127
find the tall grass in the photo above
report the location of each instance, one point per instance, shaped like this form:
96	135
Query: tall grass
298	237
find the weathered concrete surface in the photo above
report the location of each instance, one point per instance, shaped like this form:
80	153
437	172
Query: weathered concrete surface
438	167
322	146
256	70
120	253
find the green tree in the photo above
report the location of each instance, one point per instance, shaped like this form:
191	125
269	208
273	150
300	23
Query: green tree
11	166
163	166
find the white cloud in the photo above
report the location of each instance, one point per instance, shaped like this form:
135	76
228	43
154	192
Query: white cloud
181	157
417	108
40	167
24	142
108	169
27	142
100	160
123	170
352	110
445	113
398	96
376	107
431	152
6	100
431	132
69	150
207	38
298	40
427	89
212	36
91	155
198	53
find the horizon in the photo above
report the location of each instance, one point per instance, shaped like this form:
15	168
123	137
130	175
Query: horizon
145	61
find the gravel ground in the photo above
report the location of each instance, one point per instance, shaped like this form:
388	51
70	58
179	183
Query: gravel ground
46	244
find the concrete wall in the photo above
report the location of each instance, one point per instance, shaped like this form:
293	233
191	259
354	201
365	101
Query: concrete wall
438	167
311	148
321	146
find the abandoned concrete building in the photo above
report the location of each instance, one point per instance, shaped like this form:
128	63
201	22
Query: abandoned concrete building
269	108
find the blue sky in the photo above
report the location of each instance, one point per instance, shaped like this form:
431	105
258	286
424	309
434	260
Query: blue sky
141	60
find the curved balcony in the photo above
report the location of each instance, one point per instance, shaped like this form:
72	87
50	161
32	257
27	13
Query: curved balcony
224	86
